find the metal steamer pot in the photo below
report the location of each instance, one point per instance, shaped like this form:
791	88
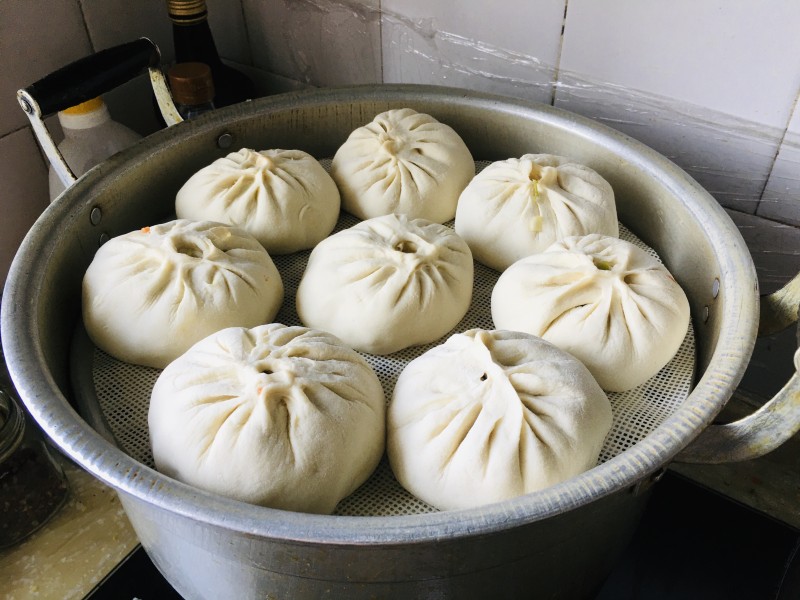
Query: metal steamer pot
560	542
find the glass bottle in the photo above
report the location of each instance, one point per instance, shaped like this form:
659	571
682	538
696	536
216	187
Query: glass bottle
194	42
192	88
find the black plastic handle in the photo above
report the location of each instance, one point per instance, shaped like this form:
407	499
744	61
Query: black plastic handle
93	75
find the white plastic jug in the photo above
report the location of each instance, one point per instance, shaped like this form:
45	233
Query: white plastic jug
90	137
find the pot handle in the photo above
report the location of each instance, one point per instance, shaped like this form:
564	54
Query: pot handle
777	420
87	78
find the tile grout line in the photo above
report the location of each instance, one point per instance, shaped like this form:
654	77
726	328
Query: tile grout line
86	26
246	33
8	134
795	108
557	66
27	126
380	40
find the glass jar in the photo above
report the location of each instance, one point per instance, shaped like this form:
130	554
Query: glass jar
32	484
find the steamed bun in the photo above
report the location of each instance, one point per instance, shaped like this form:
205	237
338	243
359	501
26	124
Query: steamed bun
284	198
284	417
387	283
150	294
403	162
606	301
520	206
491	415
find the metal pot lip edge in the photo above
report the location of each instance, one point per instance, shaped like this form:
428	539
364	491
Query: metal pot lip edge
111	465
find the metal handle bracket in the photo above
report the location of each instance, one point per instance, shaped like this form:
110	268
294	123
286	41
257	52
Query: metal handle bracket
777	420
85	79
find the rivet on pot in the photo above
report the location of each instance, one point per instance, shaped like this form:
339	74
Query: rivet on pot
104	237
26	105
706	313
715	287
96	216
225	140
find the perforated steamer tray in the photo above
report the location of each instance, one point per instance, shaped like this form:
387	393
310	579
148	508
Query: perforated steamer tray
114	396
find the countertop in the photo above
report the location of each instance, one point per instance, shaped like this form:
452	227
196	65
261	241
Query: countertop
83	542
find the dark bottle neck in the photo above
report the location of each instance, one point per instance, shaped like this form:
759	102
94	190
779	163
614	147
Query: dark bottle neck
191	34
194	43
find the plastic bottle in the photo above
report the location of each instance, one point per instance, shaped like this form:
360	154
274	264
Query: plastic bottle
90	137
192	88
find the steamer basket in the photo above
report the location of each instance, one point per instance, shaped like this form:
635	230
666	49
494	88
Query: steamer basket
557	543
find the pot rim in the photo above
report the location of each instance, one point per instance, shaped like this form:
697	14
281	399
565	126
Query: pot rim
78	440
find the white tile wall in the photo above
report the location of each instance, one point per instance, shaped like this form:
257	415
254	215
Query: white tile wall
733	69
738	58
781	199
113	22
775	248
36	38
23	192
510	48
711	84
28	53
318	42
231	33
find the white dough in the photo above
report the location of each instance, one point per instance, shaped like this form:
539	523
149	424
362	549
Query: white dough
150	294
284	417
606	301
284	198
403	162
520	206
491	415
387	283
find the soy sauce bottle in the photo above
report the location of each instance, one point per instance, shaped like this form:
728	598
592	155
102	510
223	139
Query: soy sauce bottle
194	42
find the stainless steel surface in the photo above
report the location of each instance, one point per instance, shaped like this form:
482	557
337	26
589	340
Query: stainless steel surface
31	108
754	435
559	542
166	105
779	310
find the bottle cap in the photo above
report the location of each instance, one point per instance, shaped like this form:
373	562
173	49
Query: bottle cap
191	83
84	115
84	107
187	12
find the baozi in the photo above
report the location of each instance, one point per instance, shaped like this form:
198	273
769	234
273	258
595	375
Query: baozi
148	295
491	415
284	417
520	206
284	198
387	283
403	162
608	302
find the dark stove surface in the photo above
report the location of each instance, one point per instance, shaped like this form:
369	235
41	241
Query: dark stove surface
692	544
